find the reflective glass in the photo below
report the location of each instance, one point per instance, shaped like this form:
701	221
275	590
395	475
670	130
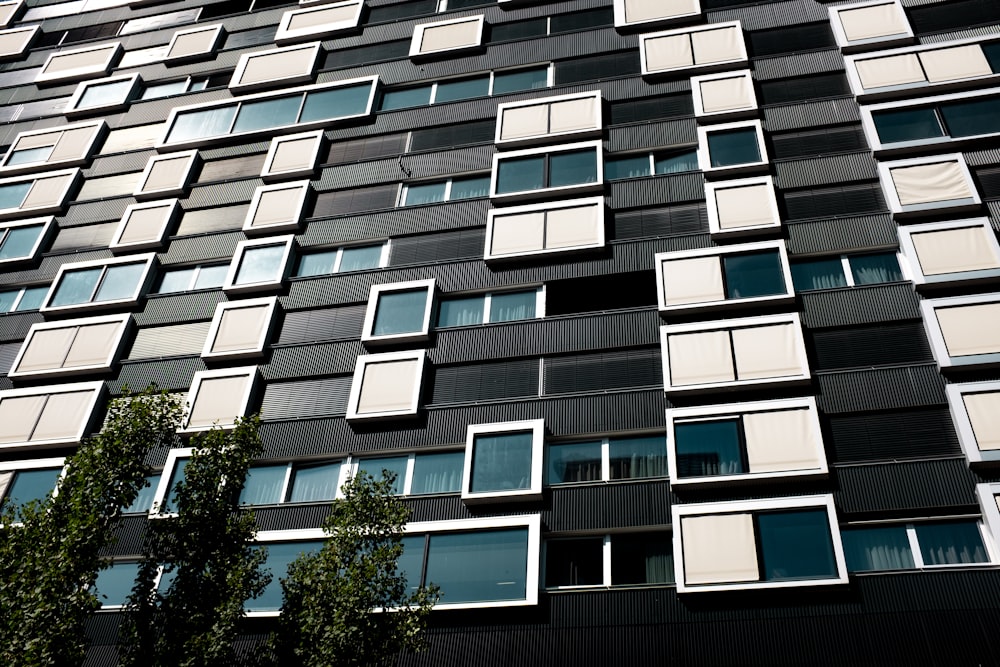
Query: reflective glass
120	282
211	276
951	543
818	274
336	103
876	549
627	167
260	264
279	556
467	188
501	462
263	485
573	462
311	483
7	300
574	562
357	259
992	52
164	90
732	147
31	485
525	79
874	269
317	263
198	84
400	312
203	123
967	119
176	477
645	558
676	163
29	155
796	545
907	125
104	93
403	99
708	448
144	499
634	458
427	193
512	306
411	562
177	280
753	274
521	174
572	168
267	113
464	311
76	287
12	195
437	473
482	566
32	299
450	91
114	584
19	241
377	468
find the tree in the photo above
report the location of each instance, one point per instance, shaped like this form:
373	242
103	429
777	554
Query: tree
347	604
207	552
50	550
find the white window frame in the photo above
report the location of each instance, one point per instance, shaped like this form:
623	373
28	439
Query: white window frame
172	214
847	45
299	205
715	225
705	157
230	286
71	183
28	465
913	541
420	356
621	22
294	79
382	263
492	74
909	252
594	130
115	52
605	442
49	227
418	36
34	31
713	116
194	277
19	298
173	191
376	292
848	270
928	308
133	92
96	390
349	469
963	425
547	206
728	64
536	427
405	188
947	206
250	372
608	539
219	31
729	325
163	484
267	173
100	130
270	302
9	10
736	410
285	35
990	525
548	192
146	259
487	304
124	320
721	251
758	506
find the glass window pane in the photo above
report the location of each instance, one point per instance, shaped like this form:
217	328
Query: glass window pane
114	584
29	155
7	300
732	147
574	562
279	557
907	125
144	499
754	274
525	79
176	280
317	263
873	269
875	549
523	29
676	163
573	462
260	265
708	448
796	545
19	241
358	259
634	458
312	483
31	485
408	97
104	93
427	193
13	194
76	287
465	89
199	84
951	543
646	558
572	168
263	485
501	462
461	312
483	566
400	312
163	90
437	473
992	52
818	274
32	299
467	188
120	282
204	123
176	477
411	562
336	103
966	119
267	113
211	276
521	174
377	468
512	306
627	167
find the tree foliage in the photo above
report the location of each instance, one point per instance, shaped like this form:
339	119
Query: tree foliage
50	550
347	604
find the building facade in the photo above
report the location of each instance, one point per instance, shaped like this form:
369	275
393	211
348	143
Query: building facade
678	320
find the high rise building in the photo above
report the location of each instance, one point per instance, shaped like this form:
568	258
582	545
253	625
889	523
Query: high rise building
678	320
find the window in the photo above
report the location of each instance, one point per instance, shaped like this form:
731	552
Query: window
167	175
350	258
975	408
75	64
451	90
453	189
868	25
712	45
989	501
217	398
22	482
846	271
962	330
933	120
945	252
748	273
645	12
748	351
70	346
144	226
647	164
318	22
744	441
625	559
14	42
43	416
742	206
300	482
143	502
45	193
104	95
399	312
575	224
570	168
447	36
114	583
286	66
259	265
907	546
732	147
277	208
117	282
240	329
562	117
153	91
9	10
473	309
928	184
417	474
22	240
730	93
917	67
386	385
302	108
503	462
194	43
279	556
203	276
773	543
292	156
22	299
606	459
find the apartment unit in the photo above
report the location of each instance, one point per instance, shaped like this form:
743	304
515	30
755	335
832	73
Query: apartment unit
678	320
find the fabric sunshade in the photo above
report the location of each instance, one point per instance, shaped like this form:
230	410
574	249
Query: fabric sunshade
63	416
955	250
716	46
93	345
168	174
18	416
650	10
240	329
780	441
46	349
71	61
218	400
13	42
193	43
872	22
666	53
700	358
453	36
293	155
144	225
530	121
322	17
766	352
572	115
746	206
694	280
984	415
47	192
571	227
281	65
38	140
890	71
728	94
926	183
277	207
973	329
388	386
959	62
72	144
719	549
517	233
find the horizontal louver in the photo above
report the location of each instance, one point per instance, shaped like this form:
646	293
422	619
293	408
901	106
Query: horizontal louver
438	247
870	346
602	371
308	398
829	202
668	221
369	148
88	236
247	166
818	142
485	382
592	68
451	136
805	37
363	55
307	326
170	341
651	108
7	353
804	88
355	200
892	435
401	10
954	15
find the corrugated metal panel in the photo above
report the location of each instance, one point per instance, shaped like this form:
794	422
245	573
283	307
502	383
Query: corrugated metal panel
652	135
201	248
813	114
799	64
172	308
881	389
656	190
96	211
830	140
803	88
235	192
310	326
892	436
860	305
489	381
462	244
603	371
15	326
458	161
914	486
306	398
292	517
169	341
109	186
771	15
129	532
48	268
7	353
89	236
244	166
864	232
311	360
233	150
604	506
118	164
847	200
207	220
849	167
668	221
397	222
172	374
864	347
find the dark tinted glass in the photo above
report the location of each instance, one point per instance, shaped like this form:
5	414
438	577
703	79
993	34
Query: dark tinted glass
501	462
574	462
521	174
967	119
479	566
572	168
796	545
874	549
875	269
464	89
519	30
647	558
708	448
818	274
754	274
733	147
634	458
576	562
907	125
951	543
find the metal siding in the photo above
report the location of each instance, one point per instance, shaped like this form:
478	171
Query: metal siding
169	341
860	305
834	236
170	308
171	374
881	389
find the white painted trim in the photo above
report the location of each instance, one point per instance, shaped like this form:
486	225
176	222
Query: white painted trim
986	494
114	50
847	46
71	182
420	356
536	427
99	128
96	390
963	425
728	64
231	287
622	23
547	206
418	36
163	484
171	216
705	158
909	252
177	190
594	129
146	259
268	175
949	206
192	397
131	94
49	228
368	337
285	35
271	302
548	192
928	309
236	85
297	208
217	28
715	227
713	116
123	320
